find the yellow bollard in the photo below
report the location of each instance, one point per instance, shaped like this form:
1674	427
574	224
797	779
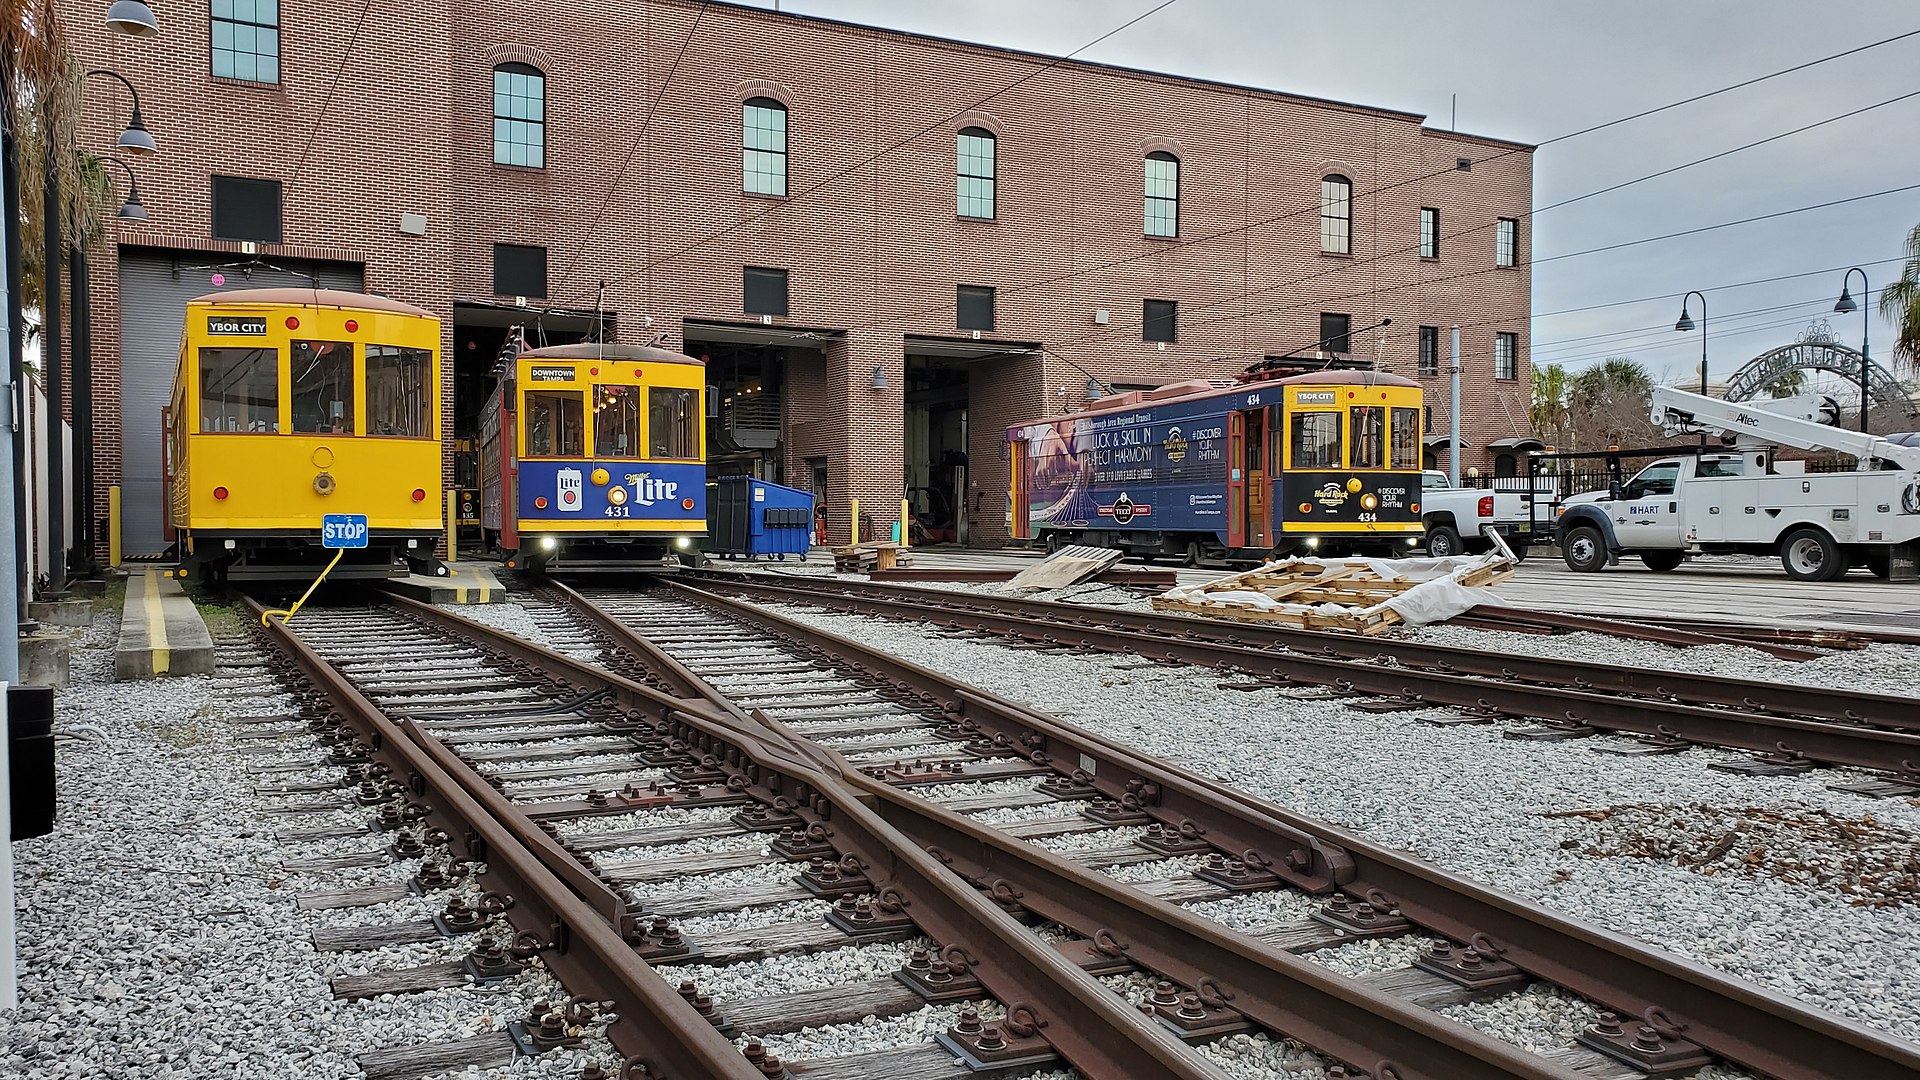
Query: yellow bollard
856	521
453	526
113	525
905	542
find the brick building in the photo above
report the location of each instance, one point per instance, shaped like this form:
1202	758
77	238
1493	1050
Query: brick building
882	275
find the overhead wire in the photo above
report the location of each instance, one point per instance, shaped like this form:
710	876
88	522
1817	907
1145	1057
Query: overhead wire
834	177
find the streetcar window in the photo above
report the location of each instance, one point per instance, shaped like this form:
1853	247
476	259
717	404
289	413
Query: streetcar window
322	387
1367	443
1316	440
398	390
239	390
1406	438
616	421
673	422
554	424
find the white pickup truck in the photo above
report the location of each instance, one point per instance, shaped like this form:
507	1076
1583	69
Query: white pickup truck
1736	502
1456	518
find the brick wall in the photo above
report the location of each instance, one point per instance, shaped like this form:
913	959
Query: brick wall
876	250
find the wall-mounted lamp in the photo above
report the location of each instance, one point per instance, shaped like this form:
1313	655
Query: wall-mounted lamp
880	378
1093	389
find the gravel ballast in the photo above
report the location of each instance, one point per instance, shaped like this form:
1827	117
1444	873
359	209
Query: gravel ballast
1818	926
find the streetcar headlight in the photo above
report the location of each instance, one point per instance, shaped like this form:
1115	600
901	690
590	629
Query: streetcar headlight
617	496
1369	501
548	543
1413	541
683	542
1313	542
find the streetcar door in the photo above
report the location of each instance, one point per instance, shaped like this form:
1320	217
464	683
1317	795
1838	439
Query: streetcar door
1236	480
166	473
1259	491
1019	519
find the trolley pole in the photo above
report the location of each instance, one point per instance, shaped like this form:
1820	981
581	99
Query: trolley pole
1453	415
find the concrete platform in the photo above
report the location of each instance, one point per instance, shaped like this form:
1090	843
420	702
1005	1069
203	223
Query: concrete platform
467	583
161	632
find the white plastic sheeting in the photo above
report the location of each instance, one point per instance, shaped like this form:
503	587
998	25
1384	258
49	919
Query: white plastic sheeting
1439	596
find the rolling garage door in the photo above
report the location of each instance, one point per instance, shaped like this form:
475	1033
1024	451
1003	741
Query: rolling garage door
154	290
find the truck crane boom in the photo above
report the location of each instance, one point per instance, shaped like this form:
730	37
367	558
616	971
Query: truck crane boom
1678	410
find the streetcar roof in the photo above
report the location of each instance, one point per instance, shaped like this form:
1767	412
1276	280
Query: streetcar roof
594	350
1345	378
317	298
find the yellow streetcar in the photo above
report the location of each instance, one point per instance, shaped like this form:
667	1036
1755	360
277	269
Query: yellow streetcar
291	406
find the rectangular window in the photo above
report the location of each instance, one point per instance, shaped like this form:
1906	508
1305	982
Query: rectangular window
519	270
1316	440
1334	332
239	390
322	387
1503	356
245	209
673	422
974	304
1429	233
763	155
616	421
554	425
246	40
1429	350
1367	444
1426	417
1163	194
1406	438
974	194
1506	242
1159	320
399	387
763	291
1336	215
519	116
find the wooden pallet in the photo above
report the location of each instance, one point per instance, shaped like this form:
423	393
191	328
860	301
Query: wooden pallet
866	558
1302	588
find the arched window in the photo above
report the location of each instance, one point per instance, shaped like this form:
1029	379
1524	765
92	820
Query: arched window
974	191
1336	215
1163	194
519	116
763	157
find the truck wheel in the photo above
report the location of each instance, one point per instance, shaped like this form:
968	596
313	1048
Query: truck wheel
1443	541
1811	555
1584	549
1660	560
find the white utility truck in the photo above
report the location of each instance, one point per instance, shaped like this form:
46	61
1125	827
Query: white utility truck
1457	519
1735	501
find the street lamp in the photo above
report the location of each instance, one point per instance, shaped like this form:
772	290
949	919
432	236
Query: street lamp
132	18
131	210
1686	324
1846	306
136	139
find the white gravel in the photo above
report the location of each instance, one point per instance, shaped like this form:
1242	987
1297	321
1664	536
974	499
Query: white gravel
159	939
1474	802
791	973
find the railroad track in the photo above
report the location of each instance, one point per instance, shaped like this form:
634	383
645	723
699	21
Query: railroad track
1788	727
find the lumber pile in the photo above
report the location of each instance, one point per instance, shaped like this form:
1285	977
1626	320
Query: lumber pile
866	558
1068	566
1360	596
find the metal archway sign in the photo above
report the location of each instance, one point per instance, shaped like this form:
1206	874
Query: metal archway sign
1816	351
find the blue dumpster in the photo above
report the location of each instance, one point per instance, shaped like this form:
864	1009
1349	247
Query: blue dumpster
756	517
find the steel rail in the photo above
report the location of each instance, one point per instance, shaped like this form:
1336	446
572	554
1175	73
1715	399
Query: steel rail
1336	1016
1092	1028
1739	1021
1522	693
579	946
1786	699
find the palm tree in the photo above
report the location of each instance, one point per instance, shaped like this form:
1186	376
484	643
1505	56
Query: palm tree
1547	406
1900	305
1607	404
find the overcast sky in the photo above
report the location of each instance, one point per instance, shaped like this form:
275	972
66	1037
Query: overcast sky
1532	70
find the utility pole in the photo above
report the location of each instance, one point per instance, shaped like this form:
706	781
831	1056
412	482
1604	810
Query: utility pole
55	250
1453	415
12	457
